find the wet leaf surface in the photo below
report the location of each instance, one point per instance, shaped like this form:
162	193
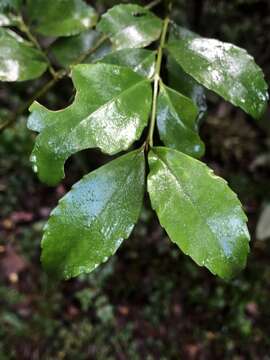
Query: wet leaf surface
176	120
199	211
66	50
19	61
93	219
130	26
103	115
61	17
139	60
186	85
225	69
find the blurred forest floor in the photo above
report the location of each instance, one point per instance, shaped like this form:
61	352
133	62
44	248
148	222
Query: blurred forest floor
149	301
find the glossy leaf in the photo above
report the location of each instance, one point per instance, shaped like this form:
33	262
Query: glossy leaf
177	32
67	50
199	211
61	17
225	69
19	61
130	26
103	114
178	79
93	219
139	60
186	85
176	120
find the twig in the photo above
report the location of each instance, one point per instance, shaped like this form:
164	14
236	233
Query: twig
57	75
152	4
90	51
43	90
25	29
156	79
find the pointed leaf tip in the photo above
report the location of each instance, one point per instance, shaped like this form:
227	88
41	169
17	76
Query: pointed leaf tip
91	221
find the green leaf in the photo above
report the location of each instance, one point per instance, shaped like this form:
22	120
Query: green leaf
130	26
176	120
199	211
19	61
139	60
186	85
103	114
225	69
178	79
177	32
93	219
61	17
66	50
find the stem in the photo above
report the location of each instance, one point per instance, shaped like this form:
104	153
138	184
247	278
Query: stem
25	29
58	75
156	79
152	4
89	52
47	86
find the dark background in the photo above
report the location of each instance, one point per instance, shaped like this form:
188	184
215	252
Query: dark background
149	301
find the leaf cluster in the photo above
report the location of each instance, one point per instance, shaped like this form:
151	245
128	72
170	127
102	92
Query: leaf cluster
116	64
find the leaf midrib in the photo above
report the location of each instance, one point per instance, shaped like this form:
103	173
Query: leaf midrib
191	201
85	119
76	244
178	117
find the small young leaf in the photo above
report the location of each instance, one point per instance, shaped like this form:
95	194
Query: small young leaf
93	219
178	79
61	17
176	120
139	60
186	85
66	50
130	26
199	211
19	61
110	111
225	69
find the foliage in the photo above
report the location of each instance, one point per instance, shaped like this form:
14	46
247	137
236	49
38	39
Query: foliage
116	94
78	318
19	61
